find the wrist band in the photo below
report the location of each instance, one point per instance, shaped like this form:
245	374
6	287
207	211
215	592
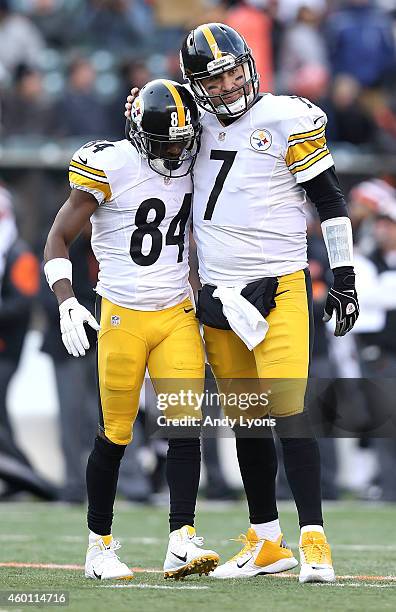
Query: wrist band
56	269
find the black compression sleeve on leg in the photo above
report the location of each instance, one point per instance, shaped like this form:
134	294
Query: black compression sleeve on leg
258	465
302	465
183	469
102	477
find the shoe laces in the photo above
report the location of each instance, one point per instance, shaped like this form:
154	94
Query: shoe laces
109	551
314	550
197	540
248	545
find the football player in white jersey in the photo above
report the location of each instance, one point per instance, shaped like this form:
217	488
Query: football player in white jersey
260	155
137	193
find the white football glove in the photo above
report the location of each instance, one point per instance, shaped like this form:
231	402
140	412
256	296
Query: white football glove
72	318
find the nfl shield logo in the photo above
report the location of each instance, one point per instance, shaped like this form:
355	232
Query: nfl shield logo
222	136
115	320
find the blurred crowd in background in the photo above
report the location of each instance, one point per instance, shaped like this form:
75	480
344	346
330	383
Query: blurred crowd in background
65	70
71	62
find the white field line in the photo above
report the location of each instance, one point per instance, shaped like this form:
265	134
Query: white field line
150	586
143	570
354	584
357	547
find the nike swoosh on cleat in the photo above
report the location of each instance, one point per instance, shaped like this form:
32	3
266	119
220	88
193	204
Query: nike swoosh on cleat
98	576
244	563
184	559
188	309
84	161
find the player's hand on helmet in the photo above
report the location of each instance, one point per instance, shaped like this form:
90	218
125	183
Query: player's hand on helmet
342	299
72	318
128	104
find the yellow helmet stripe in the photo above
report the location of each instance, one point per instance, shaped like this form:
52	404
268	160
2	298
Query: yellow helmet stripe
181	116
207	32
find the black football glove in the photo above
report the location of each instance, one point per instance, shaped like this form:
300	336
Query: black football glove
342	298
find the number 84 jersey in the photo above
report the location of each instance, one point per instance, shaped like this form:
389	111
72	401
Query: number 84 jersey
248	212
140	228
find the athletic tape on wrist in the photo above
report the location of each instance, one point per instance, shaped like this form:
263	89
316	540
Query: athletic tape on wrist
337	234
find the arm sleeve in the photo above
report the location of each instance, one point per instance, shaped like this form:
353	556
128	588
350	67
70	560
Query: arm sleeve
325	193
84	174
307	154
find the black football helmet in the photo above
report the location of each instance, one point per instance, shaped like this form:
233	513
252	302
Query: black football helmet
164	127
211	49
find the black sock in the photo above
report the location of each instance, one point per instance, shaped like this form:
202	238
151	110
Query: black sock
183	469
258	465
302	466
102	476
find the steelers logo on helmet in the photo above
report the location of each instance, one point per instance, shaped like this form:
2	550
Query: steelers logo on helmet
137	110
165	127
207	53
260	140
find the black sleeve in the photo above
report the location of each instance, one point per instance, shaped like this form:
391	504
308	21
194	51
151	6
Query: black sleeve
325	193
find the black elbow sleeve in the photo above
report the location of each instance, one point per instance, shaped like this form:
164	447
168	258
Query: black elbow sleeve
325	193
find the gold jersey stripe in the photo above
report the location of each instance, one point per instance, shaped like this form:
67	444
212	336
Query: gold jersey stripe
90	184
93	177
87	168
311	162
306	134
298	152
297	165
181	116
210	39
298	141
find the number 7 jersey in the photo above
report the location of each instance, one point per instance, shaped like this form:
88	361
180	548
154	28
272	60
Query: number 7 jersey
140	228
248	211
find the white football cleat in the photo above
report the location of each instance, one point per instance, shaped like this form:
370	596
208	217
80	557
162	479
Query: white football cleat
102	563
315	558
258	556
184	555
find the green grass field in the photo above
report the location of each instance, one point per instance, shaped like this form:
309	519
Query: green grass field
363	539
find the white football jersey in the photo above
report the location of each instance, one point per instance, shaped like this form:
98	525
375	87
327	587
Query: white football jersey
248	213
140	228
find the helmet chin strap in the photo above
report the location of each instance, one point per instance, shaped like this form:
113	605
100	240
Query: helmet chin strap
165	167
159	166
239	106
